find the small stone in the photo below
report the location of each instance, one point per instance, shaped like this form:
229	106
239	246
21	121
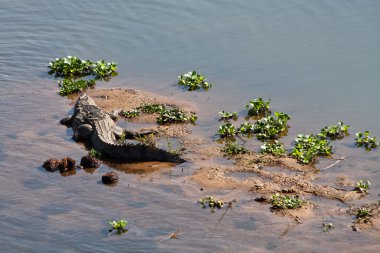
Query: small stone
52	164
67	164
110	178
89	161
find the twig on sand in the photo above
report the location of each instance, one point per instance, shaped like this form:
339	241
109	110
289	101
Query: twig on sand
171	236
295	217
335	163
228	207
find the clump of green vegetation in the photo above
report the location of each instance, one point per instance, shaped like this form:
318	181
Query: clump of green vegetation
271	127
247	128
233	148
327	227
276	148
129	114
118	226
211	202
228	115
193	81
152	108
286	202
258	107
363	186
334	132
70	86
362	213
72	69
70	66
226	130
366	141
175	116
94	153
308	147
102	69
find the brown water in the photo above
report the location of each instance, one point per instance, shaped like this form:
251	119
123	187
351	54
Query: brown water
317	60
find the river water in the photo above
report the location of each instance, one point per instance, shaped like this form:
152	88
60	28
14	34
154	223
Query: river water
316	60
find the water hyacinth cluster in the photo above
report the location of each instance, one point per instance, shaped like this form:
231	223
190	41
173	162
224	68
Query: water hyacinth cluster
72	69
165	116
308	147
258	107
334	132
193	81
211	202
118	226
233	148
286	202
276	148
364	140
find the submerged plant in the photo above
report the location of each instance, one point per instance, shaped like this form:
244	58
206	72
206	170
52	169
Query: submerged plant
226	130
334	132
363	139
286	202
276	148
228	115
70	86
362	186
258	107
233	148
175	116
193	81
129	114
271	127
152	108
247	128
118	226
308	147
210	202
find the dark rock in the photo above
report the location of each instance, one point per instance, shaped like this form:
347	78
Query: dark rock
110	178
89	161
52	164
67	164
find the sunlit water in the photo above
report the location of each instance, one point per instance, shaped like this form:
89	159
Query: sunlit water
316	60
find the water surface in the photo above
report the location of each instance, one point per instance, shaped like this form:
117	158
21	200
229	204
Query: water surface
317	60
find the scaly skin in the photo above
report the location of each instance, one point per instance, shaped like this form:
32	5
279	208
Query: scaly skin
96	127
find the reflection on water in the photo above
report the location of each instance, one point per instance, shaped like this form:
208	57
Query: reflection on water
316	60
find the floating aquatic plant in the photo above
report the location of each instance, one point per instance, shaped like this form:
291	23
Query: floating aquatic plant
327	227
271	127
363	139
228	115
102	69
258	107
286	202
334	132
70	86
70	66
175	116
308	147
246	128
129	114
211	202
152	108
362	186
276	148
233	148
118	226
93	152
226	130
193	81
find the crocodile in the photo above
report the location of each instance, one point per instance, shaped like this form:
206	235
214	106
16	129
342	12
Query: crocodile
98	128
